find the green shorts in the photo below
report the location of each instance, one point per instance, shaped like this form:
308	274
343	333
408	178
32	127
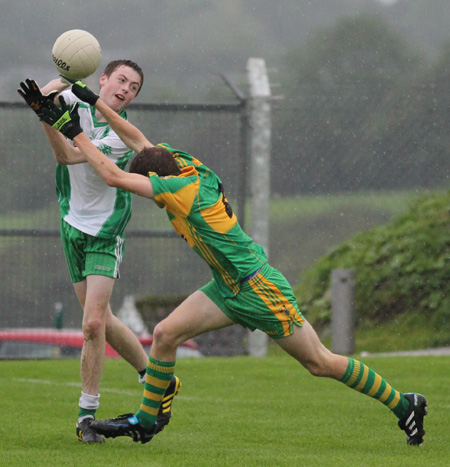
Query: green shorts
265	302
87	255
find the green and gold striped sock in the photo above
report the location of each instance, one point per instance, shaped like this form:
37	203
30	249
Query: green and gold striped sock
363	379
157	380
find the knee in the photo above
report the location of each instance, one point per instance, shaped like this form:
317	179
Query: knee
317	369
164	336
322	365
93	328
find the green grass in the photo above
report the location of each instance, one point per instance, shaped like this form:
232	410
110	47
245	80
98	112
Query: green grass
389	203
282	209
304	228
390	337
230	412
409	331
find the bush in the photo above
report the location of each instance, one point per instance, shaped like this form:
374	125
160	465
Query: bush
403	267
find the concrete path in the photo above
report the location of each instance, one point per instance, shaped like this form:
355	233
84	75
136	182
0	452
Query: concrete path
438	352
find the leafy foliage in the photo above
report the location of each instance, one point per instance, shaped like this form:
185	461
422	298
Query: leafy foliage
400	268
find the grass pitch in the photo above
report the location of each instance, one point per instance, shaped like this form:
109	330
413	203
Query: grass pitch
230	412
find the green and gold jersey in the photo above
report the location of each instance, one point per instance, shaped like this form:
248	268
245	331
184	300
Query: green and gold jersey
200	213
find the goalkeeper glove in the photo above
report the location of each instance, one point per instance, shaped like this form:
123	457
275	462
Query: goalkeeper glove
84	93
67	80
81	90
62	119
34	98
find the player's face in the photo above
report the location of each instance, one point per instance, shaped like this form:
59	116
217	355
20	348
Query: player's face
120	88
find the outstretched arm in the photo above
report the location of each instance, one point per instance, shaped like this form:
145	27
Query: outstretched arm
55	85
110	173
127	132
63	151
68	123
37	100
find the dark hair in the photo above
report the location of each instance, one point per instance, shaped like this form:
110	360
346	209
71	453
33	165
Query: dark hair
112	66
155	159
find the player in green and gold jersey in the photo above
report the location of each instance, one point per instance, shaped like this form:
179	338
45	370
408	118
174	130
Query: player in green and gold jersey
245	289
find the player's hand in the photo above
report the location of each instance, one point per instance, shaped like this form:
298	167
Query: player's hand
63	119
32	95
84	93
81	90
67	80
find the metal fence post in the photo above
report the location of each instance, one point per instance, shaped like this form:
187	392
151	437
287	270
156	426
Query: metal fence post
260	144
342	311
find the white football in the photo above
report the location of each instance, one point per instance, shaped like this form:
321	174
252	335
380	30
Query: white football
76	54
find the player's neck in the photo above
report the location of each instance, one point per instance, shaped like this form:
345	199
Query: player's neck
100	118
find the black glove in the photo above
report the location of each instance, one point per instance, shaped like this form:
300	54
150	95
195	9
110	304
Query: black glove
62	119
33	97
81	90
67	80
84	93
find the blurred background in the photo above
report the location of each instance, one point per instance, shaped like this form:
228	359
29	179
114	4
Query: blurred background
360	114
184	45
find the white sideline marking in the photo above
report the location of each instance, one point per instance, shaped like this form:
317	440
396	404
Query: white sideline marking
77	385
53	383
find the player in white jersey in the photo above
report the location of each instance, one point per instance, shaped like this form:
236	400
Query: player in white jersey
85	202
93	219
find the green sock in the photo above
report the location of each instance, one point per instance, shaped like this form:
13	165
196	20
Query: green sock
157	381
83	412
363	379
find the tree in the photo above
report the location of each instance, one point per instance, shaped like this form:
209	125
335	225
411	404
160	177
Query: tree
416	130
340	93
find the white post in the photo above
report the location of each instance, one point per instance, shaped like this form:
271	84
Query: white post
260	146
342	311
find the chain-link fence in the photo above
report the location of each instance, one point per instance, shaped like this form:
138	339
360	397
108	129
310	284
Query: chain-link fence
353	138
321	145
34	274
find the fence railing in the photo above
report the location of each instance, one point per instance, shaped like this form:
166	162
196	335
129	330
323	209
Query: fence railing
319	147
34	274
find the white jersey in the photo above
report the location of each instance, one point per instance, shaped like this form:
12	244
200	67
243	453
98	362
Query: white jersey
85	201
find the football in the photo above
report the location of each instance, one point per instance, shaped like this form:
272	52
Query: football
76	54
